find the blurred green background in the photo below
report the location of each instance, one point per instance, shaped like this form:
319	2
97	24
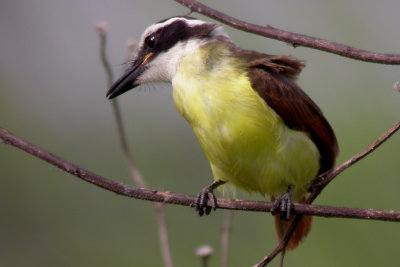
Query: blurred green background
52	93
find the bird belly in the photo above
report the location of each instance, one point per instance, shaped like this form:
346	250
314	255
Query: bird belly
245	141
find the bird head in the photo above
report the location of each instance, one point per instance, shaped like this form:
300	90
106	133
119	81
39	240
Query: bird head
161	47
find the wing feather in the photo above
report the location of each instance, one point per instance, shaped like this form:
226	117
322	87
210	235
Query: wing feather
273	78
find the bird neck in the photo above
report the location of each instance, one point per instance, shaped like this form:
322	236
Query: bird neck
206	72
213	60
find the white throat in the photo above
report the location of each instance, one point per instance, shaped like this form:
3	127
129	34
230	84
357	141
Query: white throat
164	67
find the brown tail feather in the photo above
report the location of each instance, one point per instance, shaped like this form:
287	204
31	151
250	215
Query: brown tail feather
299	234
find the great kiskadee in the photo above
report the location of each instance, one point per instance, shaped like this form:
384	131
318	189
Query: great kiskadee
258	129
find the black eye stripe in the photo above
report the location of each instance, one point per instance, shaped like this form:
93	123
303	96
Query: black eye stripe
167	36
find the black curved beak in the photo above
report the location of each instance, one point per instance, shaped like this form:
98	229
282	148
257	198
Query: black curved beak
127	81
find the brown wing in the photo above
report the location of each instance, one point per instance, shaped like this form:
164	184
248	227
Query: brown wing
272	77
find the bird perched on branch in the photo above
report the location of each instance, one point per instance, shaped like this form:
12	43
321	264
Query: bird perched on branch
258	129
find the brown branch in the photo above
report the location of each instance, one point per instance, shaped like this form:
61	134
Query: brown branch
186	200
293	38
159	208
320	186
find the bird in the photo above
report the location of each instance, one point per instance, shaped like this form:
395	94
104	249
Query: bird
259	130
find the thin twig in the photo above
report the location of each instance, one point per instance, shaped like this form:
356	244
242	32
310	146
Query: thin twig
186	200
283	253
294	39
163	234
159	207
226	229
359	156
319	187
396	86
101	29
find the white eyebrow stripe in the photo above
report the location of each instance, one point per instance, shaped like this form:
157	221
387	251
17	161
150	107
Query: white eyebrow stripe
153	28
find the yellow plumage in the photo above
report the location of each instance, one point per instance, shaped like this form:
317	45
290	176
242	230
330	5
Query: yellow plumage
259	130
246	142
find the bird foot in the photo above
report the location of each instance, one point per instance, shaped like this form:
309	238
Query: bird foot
284	204
207	194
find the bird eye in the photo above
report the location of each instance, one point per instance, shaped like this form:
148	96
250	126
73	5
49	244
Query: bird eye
150	41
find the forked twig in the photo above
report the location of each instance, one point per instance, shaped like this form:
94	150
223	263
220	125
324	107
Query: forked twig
168	197
159	207
320	186
186	200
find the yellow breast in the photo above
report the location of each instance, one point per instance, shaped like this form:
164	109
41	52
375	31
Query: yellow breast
245	141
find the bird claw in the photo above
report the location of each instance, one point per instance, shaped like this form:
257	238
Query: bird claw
202	198
284	205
